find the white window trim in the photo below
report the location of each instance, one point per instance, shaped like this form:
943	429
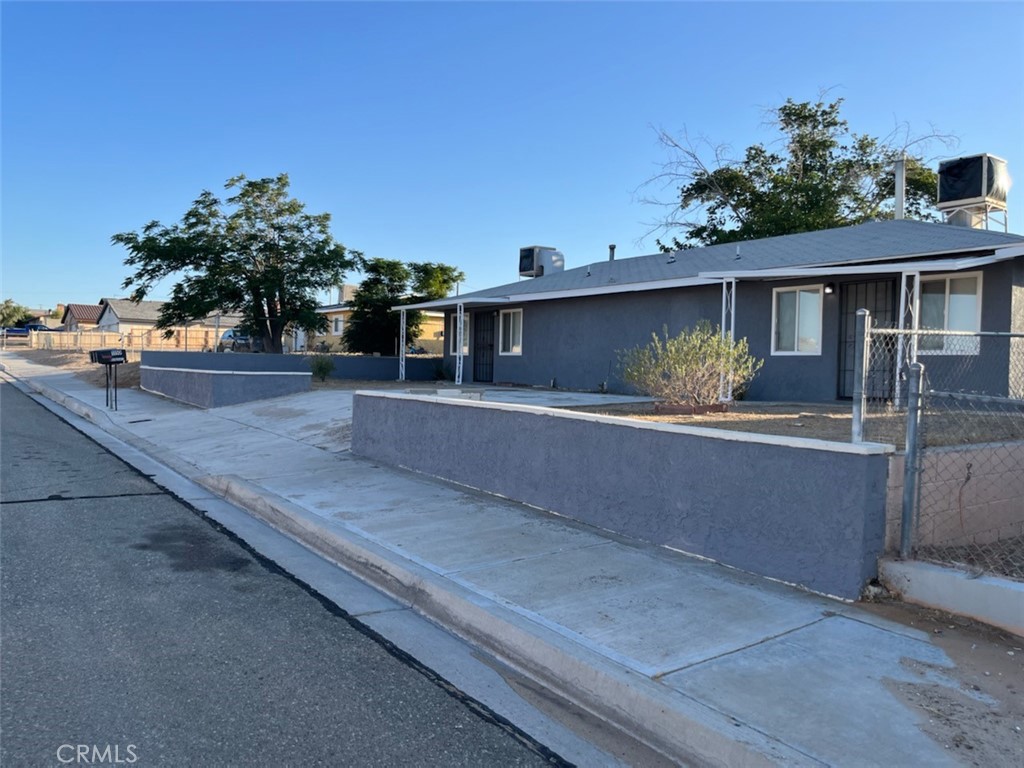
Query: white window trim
334	326
453	319
960	349
820	288
513	351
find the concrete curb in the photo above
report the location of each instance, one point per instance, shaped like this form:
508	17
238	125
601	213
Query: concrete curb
993	600
73	404
680	727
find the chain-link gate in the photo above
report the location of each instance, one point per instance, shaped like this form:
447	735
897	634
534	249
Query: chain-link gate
962	427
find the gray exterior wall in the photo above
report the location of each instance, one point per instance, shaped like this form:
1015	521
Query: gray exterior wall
1017	326
576	341
767	508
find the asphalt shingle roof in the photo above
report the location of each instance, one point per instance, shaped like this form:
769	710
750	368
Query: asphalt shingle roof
873	241
129	312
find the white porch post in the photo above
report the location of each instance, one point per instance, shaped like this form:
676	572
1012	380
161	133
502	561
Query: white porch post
401	347
728	332
460	317
909	303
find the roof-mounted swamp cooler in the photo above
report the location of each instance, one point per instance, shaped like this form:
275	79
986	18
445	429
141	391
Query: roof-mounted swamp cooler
972	189
539	260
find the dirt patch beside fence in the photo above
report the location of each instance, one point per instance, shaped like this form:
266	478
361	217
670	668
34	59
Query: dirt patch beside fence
819	421
79	364
828	421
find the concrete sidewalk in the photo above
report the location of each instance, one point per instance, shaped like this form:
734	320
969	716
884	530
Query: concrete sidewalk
706	664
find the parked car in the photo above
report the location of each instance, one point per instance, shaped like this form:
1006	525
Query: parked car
23	331
234	340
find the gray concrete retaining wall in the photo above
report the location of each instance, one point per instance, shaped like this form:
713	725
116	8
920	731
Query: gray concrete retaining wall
804	511
211	380
345	366
215	388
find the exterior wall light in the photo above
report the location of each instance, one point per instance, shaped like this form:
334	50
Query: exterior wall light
830	288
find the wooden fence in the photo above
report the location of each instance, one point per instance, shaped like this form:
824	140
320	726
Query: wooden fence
183	340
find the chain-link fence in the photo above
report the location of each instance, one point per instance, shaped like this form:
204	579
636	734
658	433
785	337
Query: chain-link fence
966	505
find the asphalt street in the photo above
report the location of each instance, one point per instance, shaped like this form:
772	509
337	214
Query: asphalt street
136	628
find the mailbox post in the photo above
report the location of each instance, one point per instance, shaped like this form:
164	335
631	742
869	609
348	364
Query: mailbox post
109	359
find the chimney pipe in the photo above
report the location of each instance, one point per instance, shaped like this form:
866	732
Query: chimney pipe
901	185
611	252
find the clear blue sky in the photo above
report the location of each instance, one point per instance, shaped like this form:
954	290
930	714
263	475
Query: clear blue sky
446	132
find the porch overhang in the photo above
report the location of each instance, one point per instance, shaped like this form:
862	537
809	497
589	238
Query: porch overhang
524	298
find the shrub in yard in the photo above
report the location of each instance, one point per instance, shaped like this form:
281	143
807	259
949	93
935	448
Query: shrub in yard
321	365
689	368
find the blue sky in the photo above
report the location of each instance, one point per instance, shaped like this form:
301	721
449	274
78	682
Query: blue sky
446	132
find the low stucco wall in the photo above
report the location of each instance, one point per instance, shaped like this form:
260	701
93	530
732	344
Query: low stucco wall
208	383
212	380
366	367
804	511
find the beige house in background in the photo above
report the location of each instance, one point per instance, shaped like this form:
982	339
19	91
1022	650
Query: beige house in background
431	338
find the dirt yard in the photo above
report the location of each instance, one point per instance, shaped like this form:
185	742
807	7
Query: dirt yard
825	422
980	724
79	364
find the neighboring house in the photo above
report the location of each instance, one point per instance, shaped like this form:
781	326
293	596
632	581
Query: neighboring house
431	329
137	321
81	317
794	298
125	316
337	315
43	316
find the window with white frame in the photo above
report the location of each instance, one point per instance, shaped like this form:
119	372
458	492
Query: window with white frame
796	320
950	303
510	341
337	326
453	337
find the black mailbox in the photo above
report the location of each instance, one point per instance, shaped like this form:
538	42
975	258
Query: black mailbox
110	359
107	356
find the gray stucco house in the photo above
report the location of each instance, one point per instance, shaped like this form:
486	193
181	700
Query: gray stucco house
794	298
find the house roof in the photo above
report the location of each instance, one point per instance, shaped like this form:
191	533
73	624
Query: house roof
127	311
877	241
83	313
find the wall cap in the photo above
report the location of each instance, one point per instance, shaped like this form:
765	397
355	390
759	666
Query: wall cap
805	443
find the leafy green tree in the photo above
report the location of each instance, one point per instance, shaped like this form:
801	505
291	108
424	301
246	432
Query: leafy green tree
819	175
258	253
373	327
11	313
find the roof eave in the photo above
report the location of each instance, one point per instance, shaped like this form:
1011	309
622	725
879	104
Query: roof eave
932	265
569	293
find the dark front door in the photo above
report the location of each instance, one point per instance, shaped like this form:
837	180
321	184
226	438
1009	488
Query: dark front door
879	298
483	346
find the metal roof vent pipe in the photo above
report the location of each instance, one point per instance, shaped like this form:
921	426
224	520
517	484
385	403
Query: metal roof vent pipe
901	187
611	252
